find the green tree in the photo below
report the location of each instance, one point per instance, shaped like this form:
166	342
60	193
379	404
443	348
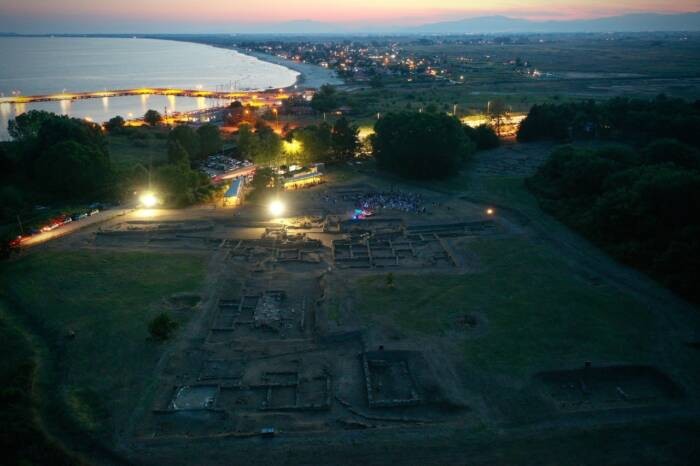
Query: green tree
499	114
135	178
73	170
26	126
177	154
247	141
483	136
345	140
209	140
61	128
376	81
115	124
12	199
268	115
325	100
152	117
182	186
316	141
269	146
162	326
9	161
420	145
187	138
262	182
642	208
486	137
672	151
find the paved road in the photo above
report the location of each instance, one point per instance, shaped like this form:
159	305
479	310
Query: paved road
72	227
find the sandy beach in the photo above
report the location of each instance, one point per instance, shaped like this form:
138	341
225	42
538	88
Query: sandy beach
312	76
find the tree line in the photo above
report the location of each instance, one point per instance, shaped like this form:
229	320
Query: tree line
640	205
323	142
178	181
632	120
427	145
54	159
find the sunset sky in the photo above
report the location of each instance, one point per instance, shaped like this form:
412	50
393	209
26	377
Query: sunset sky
223	15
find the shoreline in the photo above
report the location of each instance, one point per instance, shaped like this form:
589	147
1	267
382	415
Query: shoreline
165	83
310	76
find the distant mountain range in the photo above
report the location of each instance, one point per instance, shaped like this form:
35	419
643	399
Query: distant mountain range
644	22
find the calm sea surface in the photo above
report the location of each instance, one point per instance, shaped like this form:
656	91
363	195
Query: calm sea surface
32	66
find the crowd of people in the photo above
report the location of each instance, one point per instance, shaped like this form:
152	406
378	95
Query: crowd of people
403	201
369	202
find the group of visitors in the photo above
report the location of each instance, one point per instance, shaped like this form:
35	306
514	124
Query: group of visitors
403	201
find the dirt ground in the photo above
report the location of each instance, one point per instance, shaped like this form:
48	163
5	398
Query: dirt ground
280	367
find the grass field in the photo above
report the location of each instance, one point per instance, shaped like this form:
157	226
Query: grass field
539	314
578	53
125	151
574	68
22	438
107	299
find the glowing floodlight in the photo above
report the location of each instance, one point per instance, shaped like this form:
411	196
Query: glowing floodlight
292	147
276	208
490	211
148	199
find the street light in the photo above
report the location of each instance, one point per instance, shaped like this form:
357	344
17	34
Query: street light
148	199
277	118
276	208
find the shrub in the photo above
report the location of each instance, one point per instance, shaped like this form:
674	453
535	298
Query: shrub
162	327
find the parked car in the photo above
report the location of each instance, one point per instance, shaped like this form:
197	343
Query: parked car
16	242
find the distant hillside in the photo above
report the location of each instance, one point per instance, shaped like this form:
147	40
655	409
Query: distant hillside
646	22
626	23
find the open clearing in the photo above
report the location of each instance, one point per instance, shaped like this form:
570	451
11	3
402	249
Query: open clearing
431	332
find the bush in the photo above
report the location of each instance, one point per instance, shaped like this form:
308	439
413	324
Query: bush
183	186
483	136
325	100
162	327
152	117
115	125
210	141
188	138
262	183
